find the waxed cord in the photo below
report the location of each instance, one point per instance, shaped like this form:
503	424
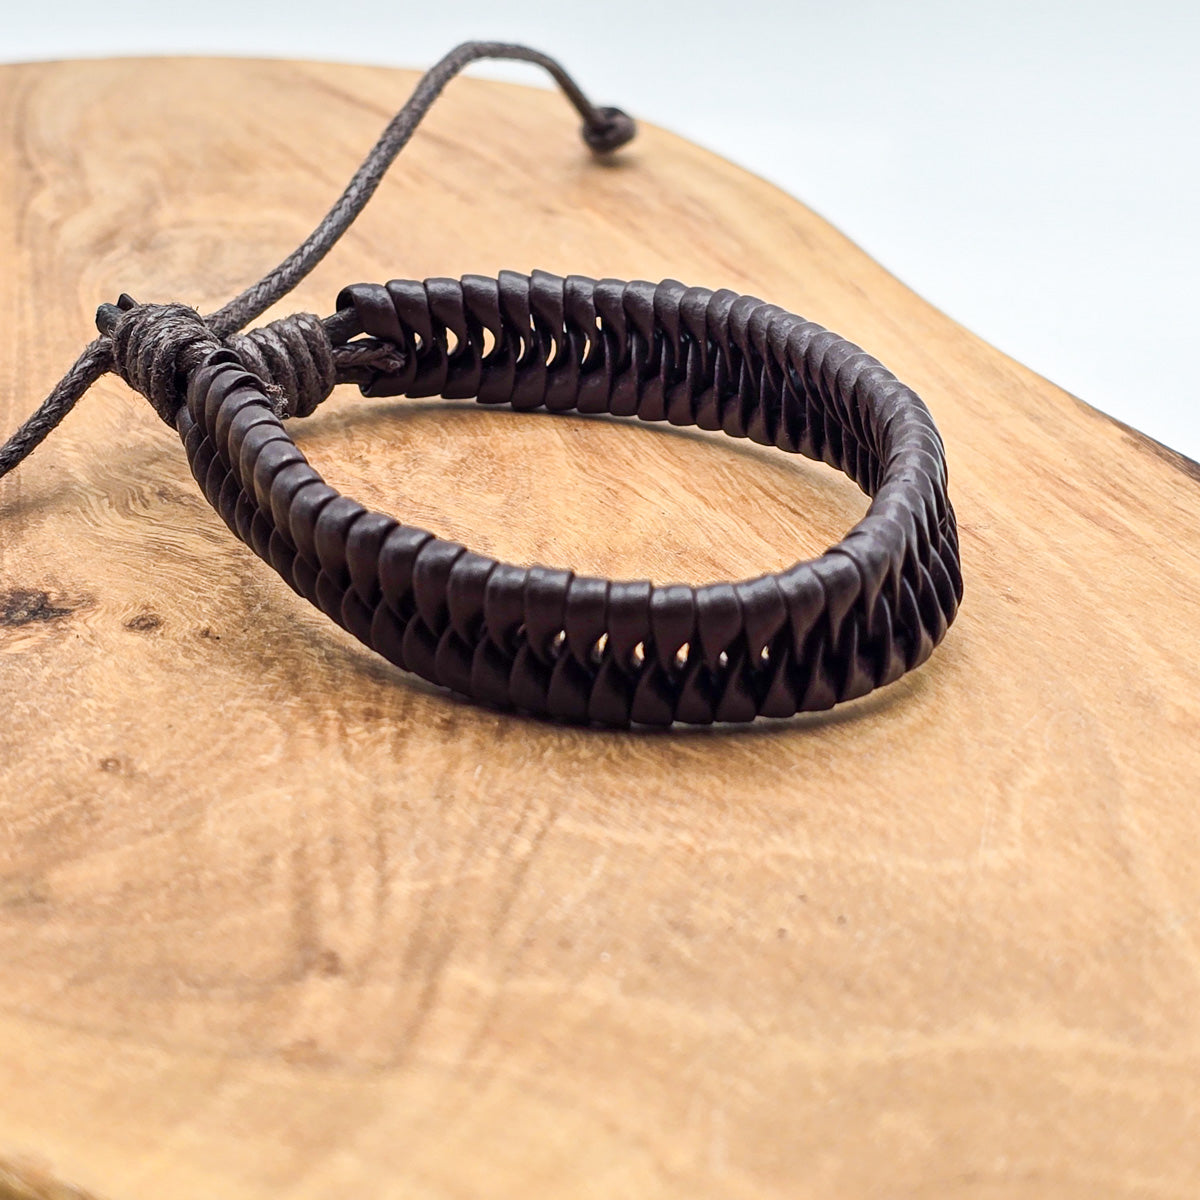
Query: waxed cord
152	346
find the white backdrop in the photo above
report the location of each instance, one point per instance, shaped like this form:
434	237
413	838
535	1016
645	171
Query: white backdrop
1032	167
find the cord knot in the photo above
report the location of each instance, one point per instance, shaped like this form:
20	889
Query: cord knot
615	128
155	347
295	357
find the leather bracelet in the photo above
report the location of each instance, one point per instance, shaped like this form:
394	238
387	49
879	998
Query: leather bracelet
587	649
542	639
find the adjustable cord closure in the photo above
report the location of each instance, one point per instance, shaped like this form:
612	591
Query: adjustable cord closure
156	347
153	346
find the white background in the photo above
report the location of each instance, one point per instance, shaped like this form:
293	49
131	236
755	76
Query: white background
1032	168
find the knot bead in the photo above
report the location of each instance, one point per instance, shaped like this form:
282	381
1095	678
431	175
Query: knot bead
616	129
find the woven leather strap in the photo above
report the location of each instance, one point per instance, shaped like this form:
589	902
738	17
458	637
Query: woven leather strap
577	648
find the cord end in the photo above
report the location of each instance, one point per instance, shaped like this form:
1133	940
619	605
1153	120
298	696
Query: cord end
107	315
613	131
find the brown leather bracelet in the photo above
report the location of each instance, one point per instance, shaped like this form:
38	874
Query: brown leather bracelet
585	649
542	639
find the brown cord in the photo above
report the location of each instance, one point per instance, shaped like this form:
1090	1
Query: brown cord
604	130
542	640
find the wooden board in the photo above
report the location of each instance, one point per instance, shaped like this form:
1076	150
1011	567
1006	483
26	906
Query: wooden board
278	921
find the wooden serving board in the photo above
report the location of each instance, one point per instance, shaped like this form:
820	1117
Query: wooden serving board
279	921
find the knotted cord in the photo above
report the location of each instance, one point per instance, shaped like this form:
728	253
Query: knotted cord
143	342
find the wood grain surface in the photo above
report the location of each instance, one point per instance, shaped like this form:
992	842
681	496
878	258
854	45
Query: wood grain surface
277	920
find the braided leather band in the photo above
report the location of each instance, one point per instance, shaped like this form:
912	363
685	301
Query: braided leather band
546	640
